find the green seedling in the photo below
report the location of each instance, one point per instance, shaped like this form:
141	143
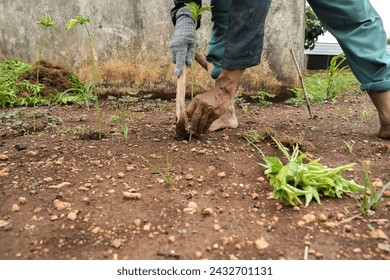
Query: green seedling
371	196
366	113
297	178
333	75
167	176
262	96
125	132
349	146
196	12
46	22
84	21
240	101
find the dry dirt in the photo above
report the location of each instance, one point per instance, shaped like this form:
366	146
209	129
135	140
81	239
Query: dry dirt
65	196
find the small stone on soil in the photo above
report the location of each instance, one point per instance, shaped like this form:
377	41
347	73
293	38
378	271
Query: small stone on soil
15	208
72	216
378	234
137	222
130	195
261	244
117	243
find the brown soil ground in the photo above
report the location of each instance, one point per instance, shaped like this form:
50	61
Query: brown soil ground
66	196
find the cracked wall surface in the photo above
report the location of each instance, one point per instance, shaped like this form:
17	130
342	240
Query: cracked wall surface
130	40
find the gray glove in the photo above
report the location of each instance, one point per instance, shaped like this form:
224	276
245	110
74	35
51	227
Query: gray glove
182	42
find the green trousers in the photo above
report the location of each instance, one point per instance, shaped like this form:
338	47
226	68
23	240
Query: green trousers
355	24
359	31
220	19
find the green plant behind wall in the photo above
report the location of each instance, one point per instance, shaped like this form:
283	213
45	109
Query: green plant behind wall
313	29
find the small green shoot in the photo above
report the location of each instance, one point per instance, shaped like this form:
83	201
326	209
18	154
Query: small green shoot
371	196
167	176
366	113
349	145
125	132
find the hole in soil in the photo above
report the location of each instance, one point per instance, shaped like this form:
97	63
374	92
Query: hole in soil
94	135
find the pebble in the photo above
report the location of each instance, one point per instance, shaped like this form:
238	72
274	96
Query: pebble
309	218
137	222
130	167
3	157
121	175
60	205
59	186
261	244
207	211
22	200
54	218
339	216
117	243
171	239
72	216
357	250
198	254
95	230
323	217
378	234
217	227
3	223
4	172
147	227
15	208
221	174
384	247
130	195
191	208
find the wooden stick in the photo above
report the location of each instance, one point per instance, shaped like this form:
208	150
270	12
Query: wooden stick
181	132
302	82
202	61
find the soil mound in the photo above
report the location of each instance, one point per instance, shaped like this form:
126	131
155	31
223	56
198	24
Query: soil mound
54	78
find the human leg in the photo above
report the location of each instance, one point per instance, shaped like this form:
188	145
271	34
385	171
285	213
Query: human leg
359	31
243	43
216	47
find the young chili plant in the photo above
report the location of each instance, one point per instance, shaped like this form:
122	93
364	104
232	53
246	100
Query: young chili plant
84	21
46	22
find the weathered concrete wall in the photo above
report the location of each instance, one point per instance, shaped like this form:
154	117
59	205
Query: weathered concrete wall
131	41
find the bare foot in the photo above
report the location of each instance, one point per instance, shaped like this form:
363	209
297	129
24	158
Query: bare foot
384	132
227	120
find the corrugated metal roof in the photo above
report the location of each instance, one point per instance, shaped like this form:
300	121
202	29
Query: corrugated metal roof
323	48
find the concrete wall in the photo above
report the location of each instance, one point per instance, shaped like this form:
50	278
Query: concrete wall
131	37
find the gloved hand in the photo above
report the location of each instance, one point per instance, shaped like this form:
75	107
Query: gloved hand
182	42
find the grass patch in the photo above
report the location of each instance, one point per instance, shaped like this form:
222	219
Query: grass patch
317	88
